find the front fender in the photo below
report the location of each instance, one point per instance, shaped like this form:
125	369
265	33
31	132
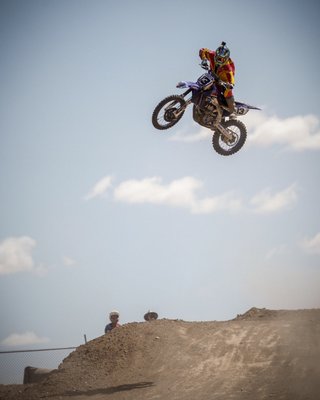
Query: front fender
187	84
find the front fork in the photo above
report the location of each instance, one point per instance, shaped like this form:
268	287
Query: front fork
224	132
217	125
182	109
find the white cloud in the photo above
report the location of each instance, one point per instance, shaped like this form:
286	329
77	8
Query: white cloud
68	261
225	202
184	193
266	202
16	256
100	188
178	193
312	245
23	339
296	133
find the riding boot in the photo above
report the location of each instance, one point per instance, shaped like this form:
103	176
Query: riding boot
232	108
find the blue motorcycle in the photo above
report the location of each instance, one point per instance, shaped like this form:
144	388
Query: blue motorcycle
209	110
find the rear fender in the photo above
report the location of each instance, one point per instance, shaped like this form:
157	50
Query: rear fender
243	108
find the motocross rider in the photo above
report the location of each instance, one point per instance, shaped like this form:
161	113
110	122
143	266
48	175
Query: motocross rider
222	65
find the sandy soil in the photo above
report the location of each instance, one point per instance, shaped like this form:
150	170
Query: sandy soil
262	354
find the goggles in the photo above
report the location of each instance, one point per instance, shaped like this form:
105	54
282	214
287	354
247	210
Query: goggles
220	60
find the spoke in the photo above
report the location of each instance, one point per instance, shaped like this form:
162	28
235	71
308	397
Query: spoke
172	104
161	115
229	146
165	116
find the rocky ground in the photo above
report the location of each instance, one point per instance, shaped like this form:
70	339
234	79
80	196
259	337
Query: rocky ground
262	354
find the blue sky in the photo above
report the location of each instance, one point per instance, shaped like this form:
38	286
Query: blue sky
100	211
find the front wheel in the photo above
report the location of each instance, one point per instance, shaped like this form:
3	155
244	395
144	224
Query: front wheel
168	112
226	147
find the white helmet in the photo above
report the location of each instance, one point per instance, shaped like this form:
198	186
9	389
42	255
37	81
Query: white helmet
114	313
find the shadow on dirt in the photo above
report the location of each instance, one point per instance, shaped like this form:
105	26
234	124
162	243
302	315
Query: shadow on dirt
111	390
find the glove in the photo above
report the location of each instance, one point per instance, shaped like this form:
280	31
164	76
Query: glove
204	64
226	85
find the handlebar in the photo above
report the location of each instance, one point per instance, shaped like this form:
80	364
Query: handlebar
204	64
226	85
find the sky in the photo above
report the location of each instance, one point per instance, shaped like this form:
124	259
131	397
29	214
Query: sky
100	211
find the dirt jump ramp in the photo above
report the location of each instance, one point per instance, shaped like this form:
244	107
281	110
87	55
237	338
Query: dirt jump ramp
262	354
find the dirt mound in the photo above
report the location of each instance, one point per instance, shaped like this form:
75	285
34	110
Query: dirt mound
261	354
257	313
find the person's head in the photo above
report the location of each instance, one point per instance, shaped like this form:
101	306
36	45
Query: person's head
114	316
222	54
150	316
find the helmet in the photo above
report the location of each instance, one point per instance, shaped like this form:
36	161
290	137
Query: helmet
114	313
150	315
222	54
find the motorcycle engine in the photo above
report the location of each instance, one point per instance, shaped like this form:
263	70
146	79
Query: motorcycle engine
207	103
208	119
206	111
210	114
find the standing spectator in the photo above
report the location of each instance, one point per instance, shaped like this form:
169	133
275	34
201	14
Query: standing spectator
114	318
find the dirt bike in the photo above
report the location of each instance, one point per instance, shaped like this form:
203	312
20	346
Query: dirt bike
210	110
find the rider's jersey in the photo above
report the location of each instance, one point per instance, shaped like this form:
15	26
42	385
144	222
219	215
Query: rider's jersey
225	72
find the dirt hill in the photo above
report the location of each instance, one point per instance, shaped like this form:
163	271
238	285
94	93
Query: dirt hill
262	354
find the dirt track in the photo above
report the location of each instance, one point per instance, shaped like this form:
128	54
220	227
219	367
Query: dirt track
262	354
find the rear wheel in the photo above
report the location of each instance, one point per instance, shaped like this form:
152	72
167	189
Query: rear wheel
226	147
168	112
